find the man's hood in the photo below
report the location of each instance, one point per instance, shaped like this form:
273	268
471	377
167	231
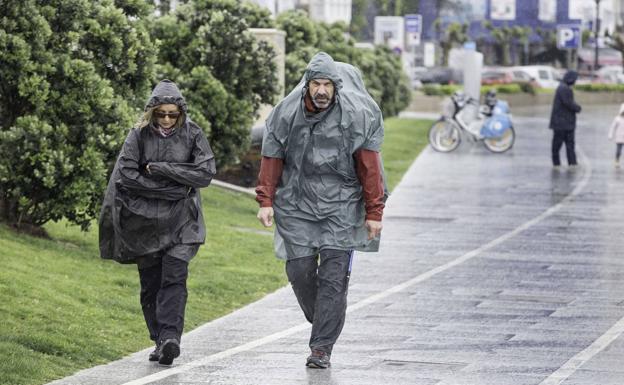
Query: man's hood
322	66
570	77
166	92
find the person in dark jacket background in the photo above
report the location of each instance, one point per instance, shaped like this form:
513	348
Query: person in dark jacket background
151	214
563	119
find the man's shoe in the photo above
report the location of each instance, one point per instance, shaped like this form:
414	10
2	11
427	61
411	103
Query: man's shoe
318	360
155	355
169	350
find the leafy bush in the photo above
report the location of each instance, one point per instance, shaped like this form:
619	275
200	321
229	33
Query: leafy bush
528	87
72	71
600	87
440	89
220	67
508	89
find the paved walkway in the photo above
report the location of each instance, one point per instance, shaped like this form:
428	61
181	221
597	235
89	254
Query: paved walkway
494	269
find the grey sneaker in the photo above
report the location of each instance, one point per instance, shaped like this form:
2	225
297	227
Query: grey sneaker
169	350
318	360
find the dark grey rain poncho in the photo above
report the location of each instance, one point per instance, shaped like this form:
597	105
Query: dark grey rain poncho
319	203
146	213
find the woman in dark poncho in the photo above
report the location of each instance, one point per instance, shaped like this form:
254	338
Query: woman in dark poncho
151	214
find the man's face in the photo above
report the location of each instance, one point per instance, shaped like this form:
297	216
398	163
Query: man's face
321	92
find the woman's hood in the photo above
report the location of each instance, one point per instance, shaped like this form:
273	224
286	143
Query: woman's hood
166	92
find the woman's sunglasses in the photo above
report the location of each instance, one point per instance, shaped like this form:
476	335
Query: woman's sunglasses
162	115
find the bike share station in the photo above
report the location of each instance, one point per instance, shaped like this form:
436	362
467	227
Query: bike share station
464	115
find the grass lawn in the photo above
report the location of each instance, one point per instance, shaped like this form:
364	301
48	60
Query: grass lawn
64	309
404	140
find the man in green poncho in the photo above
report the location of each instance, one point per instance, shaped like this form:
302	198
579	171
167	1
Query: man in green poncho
321	176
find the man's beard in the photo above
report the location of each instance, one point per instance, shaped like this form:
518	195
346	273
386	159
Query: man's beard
321	101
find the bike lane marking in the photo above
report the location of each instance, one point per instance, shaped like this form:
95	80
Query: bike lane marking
398	288
582	357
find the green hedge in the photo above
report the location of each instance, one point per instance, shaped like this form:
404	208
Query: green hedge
515	88
600	87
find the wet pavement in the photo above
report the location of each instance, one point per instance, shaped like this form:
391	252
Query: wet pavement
494	269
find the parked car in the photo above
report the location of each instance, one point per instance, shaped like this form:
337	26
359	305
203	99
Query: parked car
505	75
610	75
519	76
545	76
441	75
496	75
417	75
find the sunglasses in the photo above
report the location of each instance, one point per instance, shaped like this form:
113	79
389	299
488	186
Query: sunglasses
162	115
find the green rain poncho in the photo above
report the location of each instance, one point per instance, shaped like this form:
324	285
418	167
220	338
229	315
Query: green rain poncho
319	203
144	213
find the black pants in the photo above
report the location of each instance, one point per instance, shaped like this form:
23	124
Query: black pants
163	297
560	137
618	151
320	284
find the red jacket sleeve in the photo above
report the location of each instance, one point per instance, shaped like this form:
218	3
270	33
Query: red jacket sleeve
368	168
268	178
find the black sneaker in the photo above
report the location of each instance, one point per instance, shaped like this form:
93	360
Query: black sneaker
155	355
318	360
169	350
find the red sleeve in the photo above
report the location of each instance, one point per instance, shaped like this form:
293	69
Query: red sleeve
270	173
368	168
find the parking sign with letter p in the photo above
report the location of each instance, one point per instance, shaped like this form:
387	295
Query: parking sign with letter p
568	36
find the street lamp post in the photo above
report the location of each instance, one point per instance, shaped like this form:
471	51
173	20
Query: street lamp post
596	35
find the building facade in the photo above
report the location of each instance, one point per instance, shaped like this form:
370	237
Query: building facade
327	11
544	14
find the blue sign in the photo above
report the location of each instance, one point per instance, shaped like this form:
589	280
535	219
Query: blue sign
568	36
470	46
413	29
413	23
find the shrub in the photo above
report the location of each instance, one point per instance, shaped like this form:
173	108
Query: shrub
600	87
220	67
72	72
438	90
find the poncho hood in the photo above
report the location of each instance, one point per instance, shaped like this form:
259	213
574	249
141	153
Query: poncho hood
570	77
322	66
166	92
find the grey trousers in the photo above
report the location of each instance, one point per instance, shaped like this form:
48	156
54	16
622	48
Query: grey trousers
320	283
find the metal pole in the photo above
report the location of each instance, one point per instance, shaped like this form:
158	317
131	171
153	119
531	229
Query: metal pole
596	34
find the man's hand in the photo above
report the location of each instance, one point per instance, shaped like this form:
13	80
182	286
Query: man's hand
265	215
373	227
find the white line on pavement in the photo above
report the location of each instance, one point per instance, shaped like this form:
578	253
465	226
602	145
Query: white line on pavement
374	298
582	357
585	355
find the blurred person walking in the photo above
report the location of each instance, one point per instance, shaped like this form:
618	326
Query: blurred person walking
616	133
321	175
563	120
152	216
